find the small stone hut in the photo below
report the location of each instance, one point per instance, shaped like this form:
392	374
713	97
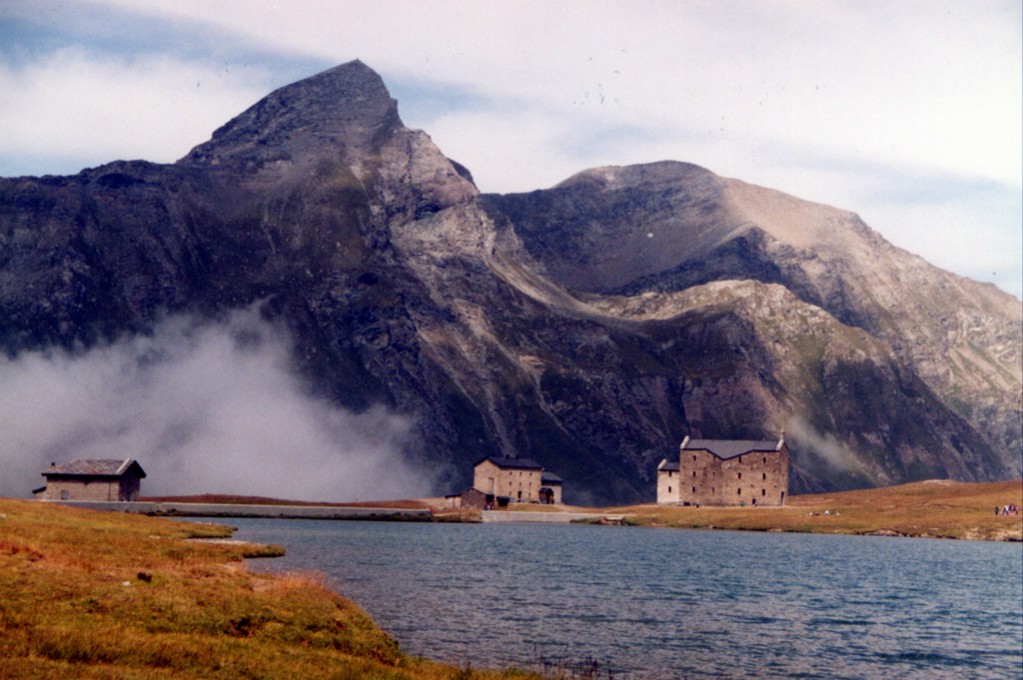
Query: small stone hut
470	499
550	489
726	472
93	480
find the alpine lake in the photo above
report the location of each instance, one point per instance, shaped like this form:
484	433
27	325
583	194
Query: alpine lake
648	603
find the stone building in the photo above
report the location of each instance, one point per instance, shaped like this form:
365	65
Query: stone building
550	491
726	472
93	480
520	480
470	499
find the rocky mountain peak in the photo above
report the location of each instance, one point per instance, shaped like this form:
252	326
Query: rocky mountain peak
617	177
589	326
343	109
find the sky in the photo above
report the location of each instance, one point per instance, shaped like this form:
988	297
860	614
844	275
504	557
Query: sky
908	113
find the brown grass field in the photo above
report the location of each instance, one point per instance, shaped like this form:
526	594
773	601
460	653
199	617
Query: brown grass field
87	594
931	509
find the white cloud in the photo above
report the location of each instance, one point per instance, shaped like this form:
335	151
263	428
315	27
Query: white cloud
211	407
92	109
932	84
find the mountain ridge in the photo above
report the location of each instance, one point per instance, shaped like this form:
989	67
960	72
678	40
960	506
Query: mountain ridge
590	325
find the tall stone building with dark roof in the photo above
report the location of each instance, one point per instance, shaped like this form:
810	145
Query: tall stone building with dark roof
739	472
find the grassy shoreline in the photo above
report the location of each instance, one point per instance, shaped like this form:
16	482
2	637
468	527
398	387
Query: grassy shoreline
89	594
923	509
931	509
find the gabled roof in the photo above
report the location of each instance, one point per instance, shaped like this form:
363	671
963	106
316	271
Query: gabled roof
669	466
101	467
731	448
512	463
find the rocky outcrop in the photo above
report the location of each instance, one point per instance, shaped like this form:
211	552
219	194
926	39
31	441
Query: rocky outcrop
590	326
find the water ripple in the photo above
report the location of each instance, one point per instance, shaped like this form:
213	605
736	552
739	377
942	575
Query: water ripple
662	604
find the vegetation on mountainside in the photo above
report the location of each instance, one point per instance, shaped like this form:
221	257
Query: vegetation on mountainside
90	594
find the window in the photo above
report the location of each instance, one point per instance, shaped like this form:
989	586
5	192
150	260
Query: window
669	489
763	492
694	489
765	475
694	473
738	491
740	475
694	457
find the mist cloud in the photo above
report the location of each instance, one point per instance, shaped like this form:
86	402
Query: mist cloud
206	408
823	448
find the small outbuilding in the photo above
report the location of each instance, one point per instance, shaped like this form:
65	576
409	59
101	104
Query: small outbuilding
93	480
550	489
470	499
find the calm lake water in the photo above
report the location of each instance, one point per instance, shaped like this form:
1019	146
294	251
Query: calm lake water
664	603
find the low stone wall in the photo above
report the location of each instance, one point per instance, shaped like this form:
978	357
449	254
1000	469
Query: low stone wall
511	516
241	510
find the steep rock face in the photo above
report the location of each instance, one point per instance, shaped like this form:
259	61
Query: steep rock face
668	226
590	326
855	412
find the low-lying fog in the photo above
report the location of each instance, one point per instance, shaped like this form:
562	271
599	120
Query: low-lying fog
205	407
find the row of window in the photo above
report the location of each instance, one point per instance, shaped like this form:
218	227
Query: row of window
763	474
739	459
739	492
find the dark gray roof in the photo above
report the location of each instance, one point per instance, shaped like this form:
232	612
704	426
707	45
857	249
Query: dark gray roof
550	478
103	467
669	466
730	448
513	463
